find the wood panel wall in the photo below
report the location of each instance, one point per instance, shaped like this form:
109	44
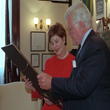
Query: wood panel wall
15	74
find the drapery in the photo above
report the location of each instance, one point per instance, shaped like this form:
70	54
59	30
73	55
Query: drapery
12	36
2	39
89	4
7	73
9	24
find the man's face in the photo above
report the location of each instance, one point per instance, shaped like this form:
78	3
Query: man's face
74	32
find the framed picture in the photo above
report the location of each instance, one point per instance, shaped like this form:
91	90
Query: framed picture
99	25
49	47
35	60
45	56
38	41
99	7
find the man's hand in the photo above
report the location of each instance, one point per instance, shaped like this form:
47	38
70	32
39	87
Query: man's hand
44	81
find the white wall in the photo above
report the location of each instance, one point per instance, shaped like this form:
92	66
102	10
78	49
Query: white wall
108	7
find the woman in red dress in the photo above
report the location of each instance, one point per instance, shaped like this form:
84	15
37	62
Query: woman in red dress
59	63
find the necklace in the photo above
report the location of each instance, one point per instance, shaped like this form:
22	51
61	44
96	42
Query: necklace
64	56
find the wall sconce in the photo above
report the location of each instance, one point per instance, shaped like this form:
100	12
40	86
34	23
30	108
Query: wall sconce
40	24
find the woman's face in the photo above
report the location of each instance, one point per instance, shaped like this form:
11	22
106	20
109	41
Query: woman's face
58	45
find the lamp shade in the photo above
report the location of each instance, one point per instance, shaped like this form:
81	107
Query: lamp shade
48	21
36	20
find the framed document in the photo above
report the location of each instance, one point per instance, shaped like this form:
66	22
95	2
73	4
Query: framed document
37	41
99	7
45	56
49	47
35	60
27	69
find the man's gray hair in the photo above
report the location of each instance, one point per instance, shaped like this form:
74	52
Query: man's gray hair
79	12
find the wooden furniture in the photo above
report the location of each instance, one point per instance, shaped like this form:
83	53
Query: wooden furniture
106	20
69	2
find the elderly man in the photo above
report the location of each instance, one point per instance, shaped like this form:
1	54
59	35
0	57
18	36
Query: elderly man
88	87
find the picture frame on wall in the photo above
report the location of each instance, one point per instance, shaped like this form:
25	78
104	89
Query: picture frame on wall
99	7
35	60
37	41
49	47
46	56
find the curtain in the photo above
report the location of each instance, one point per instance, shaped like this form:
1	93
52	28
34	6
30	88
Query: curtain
10	26
89	4
12	73
7	74
2	39
15	33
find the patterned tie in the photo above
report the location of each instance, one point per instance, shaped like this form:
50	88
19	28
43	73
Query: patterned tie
78	51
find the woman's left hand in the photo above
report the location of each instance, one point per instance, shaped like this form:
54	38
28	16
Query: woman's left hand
48	102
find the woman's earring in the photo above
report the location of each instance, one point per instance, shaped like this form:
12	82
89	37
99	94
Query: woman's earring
64	42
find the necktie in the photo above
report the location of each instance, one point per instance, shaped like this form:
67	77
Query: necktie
78	51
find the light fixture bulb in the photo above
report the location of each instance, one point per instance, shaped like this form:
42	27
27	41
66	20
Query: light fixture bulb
97	21
48	21
36	20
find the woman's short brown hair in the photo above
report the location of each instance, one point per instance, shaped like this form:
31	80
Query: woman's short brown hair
57	29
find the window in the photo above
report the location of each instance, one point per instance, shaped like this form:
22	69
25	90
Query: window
2	39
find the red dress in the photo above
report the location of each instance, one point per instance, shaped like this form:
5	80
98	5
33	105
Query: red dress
56	68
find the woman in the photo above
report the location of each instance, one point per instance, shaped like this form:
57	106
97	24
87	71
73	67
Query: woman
60	63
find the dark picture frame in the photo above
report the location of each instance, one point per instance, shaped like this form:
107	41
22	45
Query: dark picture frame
35	60
49	47
46	56
37	41
99	7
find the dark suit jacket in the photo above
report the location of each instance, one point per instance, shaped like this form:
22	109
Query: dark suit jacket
88	87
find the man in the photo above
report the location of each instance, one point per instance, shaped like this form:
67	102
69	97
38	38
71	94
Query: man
88	87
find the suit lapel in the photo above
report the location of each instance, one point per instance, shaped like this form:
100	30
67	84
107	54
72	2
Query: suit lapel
84	46
81	54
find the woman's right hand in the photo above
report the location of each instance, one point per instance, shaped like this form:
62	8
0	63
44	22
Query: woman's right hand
28	84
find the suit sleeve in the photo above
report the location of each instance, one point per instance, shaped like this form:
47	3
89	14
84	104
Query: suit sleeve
84	78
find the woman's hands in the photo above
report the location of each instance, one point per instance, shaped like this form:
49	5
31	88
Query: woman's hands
48	102
28	84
